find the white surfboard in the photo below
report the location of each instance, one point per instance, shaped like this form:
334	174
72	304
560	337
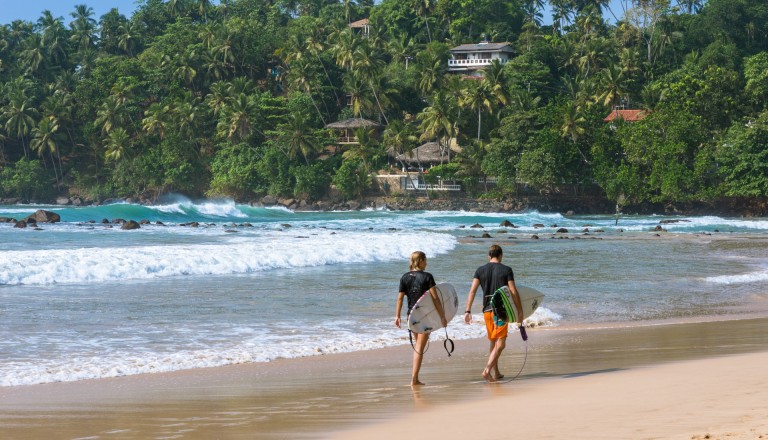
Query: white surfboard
530	299
424	317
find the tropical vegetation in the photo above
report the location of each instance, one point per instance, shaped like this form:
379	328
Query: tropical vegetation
231	98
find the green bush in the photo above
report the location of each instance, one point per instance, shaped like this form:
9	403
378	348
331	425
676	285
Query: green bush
27	180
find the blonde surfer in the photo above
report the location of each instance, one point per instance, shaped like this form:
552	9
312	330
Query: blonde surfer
413	284
490	277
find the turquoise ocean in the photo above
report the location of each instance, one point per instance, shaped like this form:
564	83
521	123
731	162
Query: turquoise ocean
82	299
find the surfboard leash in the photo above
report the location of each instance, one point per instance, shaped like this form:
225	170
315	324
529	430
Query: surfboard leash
525	358
446	342
413	346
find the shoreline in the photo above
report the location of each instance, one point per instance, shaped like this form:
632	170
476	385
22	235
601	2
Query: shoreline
318	396
566	204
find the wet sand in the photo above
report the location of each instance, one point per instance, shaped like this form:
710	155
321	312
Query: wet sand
585	382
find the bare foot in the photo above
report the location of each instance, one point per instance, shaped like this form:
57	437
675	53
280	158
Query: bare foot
499	376
487	376
415	383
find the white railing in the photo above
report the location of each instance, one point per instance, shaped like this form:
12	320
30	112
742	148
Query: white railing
474	62
438	187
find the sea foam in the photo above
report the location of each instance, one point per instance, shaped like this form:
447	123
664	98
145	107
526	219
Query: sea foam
242	255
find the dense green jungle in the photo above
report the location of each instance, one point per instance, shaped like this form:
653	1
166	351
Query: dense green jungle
233	98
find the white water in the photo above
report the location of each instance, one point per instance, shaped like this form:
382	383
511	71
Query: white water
86	300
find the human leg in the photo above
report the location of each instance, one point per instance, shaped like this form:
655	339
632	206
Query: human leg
418	355
497	335
493	360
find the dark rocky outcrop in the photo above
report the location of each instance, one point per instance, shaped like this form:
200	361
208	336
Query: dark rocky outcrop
130	225
43	216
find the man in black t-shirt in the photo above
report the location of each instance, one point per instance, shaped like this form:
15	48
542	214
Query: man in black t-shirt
492	276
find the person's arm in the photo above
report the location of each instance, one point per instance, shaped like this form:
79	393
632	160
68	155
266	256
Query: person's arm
438	305
470	299
516	299
399	307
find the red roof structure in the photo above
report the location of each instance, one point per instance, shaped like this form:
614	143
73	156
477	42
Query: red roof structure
359	24
627	115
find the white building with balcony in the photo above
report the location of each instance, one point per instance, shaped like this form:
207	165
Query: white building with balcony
470	59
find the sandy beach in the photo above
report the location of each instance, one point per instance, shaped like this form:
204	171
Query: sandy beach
661	381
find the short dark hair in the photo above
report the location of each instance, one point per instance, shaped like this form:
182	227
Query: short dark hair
495	251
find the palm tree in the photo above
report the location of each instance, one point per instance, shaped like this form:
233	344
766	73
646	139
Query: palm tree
478	97
359	96
437	120
117	144
344	46
651	97
110	115
54	36
314	45
532	10
218	96
202	8
691	5
347	9
45	139
298	137
423	8
128	39
236	122
175	8
365	150
300	77
400	49
223	48
215	69
562	11
156	119
432	74
470	161
572	128
33	55
59	106
19	118
497	83
186	116
83	27
402	139
614	86
367	66
208	34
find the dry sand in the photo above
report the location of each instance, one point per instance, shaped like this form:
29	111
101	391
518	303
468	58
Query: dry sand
715	398
665	381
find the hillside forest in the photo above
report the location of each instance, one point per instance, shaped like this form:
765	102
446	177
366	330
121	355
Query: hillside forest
232	98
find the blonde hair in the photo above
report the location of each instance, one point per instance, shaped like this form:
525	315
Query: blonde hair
418	260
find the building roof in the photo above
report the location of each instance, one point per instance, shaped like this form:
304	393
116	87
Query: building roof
353	123
483	47
627	115
429	152
359	23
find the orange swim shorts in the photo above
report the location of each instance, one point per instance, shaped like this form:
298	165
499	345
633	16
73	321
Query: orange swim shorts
494	331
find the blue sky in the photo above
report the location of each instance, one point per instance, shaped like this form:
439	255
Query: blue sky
31	10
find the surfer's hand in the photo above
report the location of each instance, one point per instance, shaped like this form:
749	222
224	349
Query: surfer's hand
397	322
468	318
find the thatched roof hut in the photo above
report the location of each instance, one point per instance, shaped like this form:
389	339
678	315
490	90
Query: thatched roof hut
349	126
428	153
352	124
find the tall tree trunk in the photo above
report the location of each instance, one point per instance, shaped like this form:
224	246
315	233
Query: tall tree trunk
479	122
